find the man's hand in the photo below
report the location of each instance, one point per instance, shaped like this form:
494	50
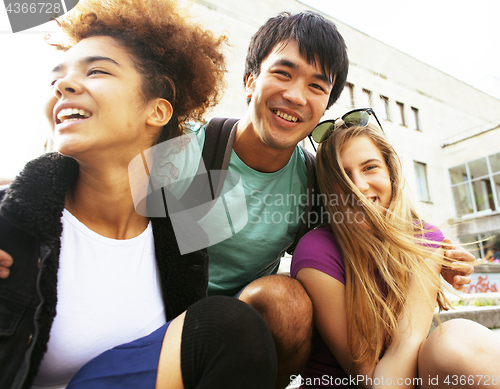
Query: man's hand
5	264
458	271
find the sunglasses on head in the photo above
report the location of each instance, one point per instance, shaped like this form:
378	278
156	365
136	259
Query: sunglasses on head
356	117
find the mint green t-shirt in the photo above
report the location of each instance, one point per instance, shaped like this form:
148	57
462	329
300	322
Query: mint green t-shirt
275	204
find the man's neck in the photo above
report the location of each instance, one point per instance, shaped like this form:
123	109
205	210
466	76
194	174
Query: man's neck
255	153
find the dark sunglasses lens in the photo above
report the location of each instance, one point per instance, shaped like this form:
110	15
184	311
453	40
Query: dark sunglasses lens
358	118
321	132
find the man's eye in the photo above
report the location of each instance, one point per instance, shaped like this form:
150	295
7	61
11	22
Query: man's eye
53	82
283	73
319	87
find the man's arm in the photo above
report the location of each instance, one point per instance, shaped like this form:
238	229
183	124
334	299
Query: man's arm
458	271
5	264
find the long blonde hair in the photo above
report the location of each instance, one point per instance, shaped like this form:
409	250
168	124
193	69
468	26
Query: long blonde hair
382	254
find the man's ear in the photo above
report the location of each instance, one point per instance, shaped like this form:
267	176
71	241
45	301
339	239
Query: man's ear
250	84
160	114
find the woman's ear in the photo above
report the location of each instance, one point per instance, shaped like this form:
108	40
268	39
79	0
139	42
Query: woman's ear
160	114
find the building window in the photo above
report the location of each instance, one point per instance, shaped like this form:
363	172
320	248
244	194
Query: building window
350	88
347	96
422	186
496	185
415	125
367	99
476	185
401	109
384	101
486	247
473	244
494	161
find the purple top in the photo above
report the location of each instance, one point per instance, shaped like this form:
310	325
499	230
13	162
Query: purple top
318	249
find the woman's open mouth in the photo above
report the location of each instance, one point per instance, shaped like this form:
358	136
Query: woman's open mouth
71	114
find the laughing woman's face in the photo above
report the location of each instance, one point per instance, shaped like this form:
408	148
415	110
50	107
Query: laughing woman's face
366	167
97	103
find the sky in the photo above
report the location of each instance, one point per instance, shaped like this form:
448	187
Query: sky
458	37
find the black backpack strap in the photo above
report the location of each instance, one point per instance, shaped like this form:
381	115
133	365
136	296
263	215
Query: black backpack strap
219	140
216	154
312	204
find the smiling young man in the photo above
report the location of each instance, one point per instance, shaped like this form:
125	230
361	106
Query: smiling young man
296	68
292	63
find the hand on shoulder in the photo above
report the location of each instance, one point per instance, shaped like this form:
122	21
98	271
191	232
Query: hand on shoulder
5	264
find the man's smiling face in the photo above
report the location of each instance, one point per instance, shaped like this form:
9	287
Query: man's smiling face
288	97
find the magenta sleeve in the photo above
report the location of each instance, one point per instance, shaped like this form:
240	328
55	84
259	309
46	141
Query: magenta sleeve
318	249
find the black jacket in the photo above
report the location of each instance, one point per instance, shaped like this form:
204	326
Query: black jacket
30	231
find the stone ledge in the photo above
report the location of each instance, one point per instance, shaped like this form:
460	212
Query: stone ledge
487	316
476	299
488	267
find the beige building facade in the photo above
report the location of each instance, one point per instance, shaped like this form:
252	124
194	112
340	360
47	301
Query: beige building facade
446	133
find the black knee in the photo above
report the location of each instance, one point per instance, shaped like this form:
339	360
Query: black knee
226	344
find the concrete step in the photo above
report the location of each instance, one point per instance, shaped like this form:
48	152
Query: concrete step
483	308
487	316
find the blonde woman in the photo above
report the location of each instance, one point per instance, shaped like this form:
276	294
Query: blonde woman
373	276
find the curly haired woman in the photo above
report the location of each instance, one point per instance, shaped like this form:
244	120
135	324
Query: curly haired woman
90	273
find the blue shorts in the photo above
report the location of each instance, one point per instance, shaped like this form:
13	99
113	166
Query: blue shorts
131	365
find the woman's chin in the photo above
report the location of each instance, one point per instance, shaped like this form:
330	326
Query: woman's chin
64	150
70	149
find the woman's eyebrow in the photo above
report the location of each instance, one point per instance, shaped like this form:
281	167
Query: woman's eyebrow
96	58
371	160
86	61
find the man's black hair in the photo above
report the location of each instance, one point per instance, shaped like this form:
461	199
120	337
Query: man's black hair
316	37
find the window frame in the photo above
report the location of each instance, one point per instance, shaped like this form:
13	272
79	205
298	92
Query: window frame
470	182
418	178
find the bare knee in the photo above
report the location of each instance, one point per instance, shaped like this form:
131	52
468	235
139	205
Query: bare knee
444	340
264	292
287	310
281	298
456	346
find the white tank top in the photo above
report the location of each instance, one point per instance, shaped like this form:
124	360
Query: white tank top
108	294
